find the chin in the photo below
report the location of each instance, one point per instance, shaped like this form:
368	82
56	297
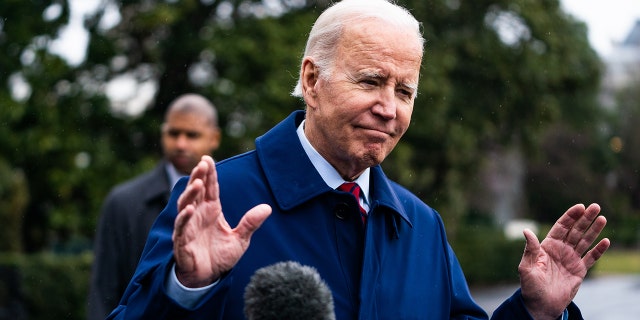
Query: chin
185	168
372	159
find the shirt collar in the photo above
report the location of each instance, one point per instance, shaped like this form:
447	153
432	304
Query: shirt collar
328	173
173	174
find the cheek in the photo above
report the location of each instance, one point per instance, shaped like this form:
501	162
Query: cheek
342	96
166	142
199	146
404	117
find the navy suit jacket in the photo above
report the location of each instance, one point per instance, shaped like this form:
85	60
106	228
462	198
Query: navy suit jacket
127	215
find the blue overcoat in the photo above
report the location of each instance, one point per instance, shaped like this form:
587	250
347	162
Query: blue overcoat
399	267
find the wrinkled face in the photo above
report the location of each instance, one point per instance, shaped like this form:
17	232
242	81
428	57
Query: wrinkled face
186	137
357	114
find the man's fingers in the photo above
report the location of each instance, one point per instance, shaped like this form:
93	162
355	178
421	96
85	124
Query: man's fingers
212	191
594	254
252	220
590	235
181	221
577	232
565	222
192	194
199	171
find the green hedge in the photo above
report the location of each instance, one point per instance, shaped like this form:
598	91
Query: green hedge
486	256
55	286
44	286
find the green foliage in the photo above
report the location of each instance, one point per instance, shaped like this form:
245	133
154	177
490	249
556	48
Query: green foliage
63	140
14	197
261	71
486	256
252	62
619	262
625	141
574	165
44	286
478	93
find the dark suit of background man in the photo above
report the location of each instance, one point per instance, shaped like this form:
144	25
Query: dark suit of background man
190	130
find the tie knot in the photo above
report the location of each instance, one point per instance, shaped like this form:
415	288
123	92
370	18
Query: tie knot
352	188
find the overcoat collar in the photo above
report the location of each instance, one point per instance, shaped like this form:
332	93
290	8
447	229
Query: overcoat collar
293	179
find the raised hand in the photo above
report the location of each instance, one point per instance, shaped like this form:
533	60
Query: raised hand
552	271
204	244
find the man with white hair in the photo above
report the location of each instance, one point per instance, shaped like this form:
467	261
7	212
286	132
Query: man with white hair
313	192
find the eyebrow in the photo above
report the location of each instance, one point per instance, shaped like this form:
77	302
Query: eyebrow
379	75
411	86
373	74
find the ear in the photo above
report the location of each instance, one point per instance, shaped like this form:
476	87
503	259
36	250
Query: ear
309	75
164	128
216	136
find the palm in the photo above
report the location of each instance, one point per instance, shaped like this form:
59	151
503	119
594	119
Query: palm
205	246
551	272
556	268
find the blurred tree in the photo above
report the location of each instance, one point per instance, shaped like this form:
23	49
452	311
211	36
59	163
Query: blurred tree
496	75
14	198
243	55
57	130
571	167
23	46
625	142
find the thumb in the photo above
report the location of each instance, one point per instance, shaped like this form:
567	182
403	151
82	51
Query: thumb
532	245
252	220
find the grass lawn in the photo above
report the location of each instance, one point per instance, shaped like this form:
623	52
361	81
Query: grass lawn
617	262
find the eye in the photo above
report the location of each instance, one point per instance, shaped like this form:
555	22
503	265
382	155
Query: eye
405	93
173	133
193	134
369	82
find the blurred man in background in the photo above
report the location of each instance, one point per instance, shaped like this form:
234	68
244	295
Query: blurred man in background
190	130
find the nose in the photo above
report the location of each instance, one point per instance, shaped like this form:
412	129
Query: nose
182	141
386	105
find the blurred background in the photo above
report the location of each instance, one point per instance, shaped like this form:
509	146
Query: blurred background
519	116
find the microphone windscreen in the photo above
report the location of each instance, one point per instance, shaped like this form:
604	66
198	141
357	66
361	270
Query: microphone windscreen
288	290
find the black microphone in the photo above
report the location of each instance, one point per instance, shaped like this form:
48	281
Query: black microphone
286	291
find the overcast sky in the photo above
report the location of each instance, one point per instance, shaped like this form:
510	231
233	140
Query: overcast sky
608	21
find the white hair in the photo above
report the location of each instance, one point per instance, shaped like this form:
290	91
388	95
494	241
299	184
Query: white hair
327	30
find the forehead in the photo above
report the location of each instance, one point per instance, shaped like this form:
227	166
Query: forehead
373	43
187	121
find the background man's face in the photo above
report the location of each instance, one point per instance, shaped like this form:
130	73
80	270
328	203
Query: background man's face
186	137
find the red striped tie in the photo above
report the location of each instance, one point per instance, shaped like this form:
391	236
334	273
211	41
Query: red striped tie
354	189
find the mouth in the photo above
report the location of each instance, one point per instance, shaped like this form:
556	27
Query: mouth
182	158
378	133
